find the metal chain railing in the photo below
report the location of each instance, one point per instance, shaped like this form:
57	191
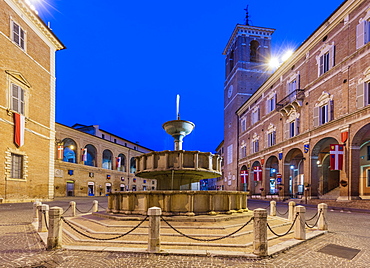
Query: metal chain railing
290	228
84	211
282	214
70	224
206	240
310	219
67	209
101	206
45	220
317	220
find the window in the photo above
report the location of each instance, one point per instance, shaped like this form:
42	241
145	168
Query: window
17	167
368	178
18	35
368	153
254	54
17	99
271	138
292	128
362	33
271	103
255	146
244	125
324	114
243	151
326	59
363	95
102	136
323	110
230	154
255	115
153	182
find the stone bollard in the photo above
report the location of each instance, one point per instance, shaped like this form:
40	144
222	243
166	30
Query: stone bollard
35	211
260	232
95	206
154	241
291	211
54	240
322	224
272	208
73	208
299	226
43	217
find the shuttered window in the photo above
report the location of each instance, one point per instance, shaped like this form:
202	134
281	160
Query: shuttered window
362	33
18	35
17	104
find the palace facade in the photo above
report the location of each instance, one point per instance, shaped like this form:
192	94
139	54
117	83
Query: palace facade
317	98
27	104
93	162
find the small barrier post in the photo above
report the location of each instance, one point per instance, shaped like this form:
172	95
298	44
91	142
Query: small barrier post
95	206
54	240
299	226
291	210
272	208
43	210
154	243
322	224
35	210
260	232
73	208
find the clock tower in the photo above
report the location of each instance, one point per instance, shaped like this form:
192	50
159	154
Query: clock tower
246	67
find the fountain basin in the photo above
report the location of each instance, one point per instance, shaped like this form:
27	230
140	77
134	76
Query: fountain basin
173	203
175	170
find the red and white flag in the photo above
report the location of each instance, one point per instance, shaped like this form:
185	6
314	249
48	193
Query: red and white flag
336	157
244	176
118	162
84	155
19	121
60	152
257	173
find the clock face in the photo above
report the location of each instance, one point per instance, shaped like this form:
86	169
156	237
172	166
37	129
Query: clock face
230	91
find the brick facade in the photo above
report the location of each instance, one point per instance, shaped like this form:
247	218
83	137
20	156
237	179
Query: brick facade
321	94
28	62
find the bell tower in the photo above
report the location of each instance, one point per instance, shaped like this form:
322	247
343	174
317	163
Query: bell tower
246	68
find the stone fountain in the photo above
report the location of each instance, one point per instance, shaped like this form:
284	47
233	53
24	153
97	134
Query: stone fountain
175	171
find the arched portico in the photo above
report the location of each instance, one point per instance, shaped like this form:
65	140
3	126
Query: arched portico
256	178
271	169
244	174
293	182
323	180
359	168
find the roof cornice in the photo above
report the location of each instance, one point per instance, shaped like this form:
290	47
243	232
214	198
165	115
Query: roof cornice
32	16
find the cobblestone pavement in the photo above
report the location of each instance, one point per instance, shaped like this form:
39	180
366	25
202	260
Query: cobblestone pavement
20	245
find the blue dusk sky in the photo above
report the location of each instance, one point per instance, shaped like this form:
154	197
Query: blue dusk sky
126	61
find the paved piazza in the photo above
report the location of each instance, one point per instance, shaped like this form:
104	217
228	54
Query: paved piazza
20	245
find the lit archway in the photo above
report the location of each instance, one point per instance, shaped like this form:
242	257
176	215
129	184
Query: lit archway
69	150
293	173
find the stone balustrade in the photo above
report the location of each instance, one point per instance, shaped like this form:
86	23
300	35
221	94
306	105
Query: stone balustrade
188	203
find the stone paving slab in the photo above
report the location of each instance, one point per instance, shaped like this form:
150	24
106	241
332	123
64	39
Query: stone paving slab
20	246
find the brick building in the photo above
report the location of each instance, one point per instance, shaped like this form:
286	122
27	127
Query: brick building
27	103
92	162
320	96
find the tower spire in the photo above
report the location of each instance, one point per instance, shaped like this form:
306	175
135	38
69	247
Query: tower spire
246	16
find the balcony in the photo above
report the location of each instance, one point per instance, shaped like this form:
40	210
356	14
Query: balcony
291	101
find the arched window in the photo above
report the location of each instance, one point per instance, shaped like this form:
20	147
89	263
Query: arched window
122	163
107	159
69	150
89	155
231	60
254	55
132	165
